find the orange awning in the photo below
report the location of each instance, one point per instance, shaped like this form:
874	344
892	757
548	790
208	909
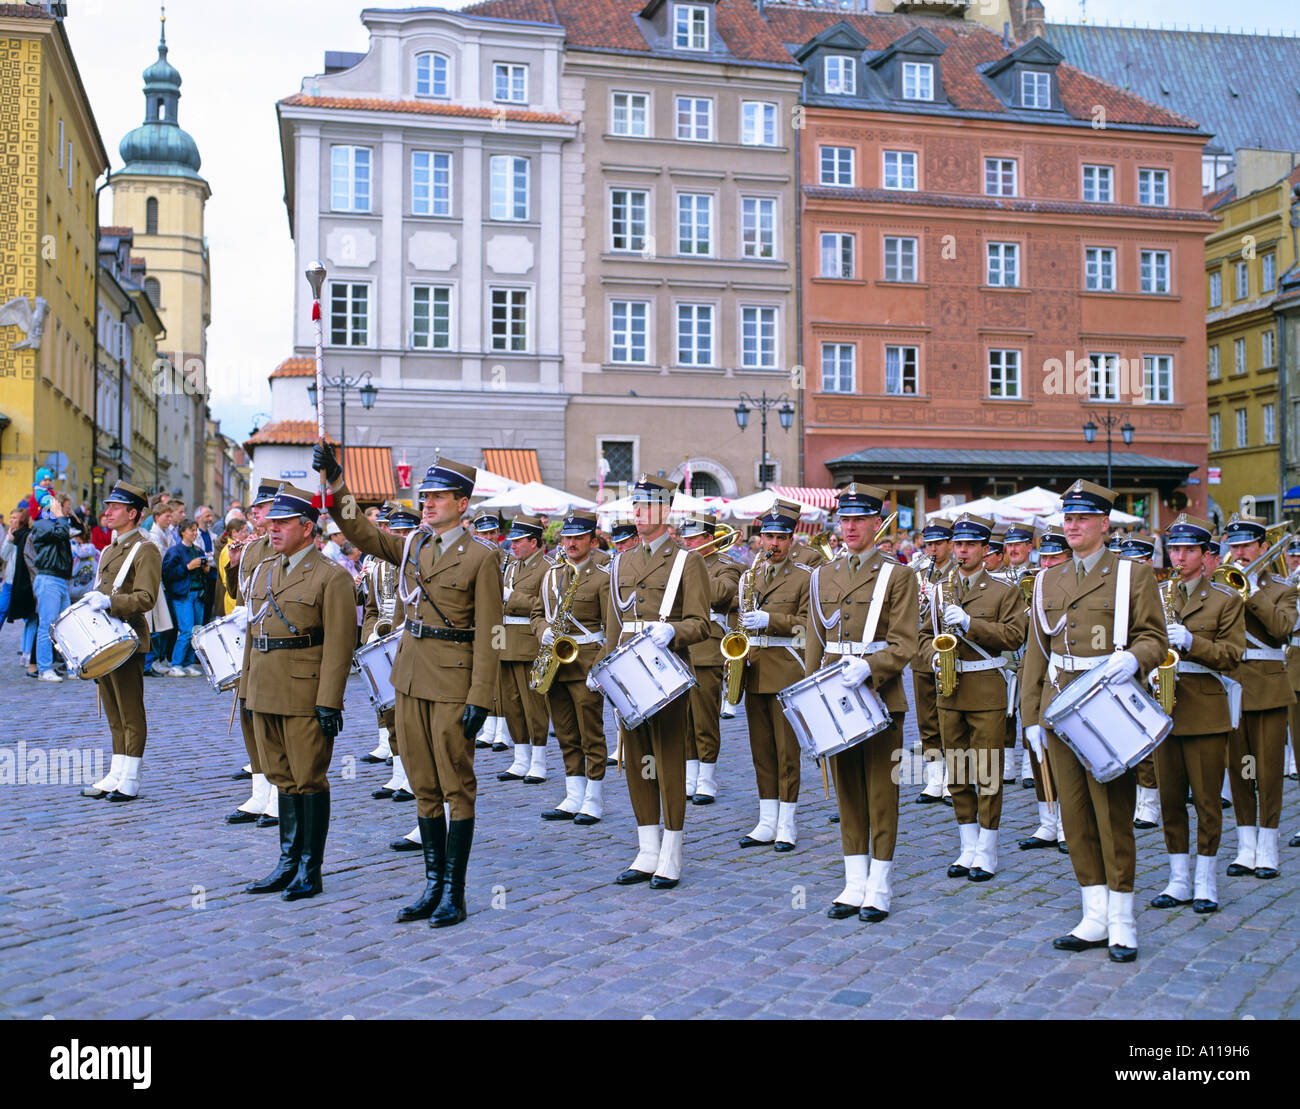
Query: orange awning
518	464
370	473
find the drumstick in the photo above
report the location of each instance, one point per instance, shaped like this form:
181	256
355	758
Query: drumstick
1048	791
826	782
99	702
233	703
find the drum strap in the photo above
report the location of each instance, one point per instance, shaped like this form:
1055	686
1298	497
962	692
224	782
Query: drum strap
1123	576
674	580
877	602
125	569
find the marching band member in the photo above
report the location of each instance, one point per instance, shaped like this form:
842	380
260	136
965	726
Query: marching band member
775	622
1293	671
495	734
997	549
936	539
445	669
864	605
1052	551
1017	547
1209	633
662	588
368	588
577	712
302	630
704	740
524	709
1255	748
987	616
127	586
1073	603
1147	812
382	577
623	535
803	553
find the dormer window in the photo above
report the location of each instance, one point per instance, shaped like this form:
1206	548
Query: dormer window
690	27
431	75
510	83
918	81
1035	90
839	75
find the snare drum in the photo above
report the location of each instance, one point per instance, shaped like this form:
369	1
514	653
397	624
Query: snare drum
1111	725
220	649
375	661
640	678
92	643
828	716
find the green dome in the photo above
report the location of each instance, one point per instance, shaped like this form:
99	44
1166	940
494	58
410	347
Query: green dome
158	147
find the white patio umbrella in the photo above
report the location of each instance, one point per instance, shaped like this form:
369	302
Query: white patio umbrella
488	484
1122	519
753	506
1036	501
682	503
537	500
982	506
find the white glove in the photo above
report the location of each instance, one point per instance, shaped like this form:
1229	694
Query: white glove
1034	737
956	617
548	637
754	621
1122	664
661	632
856	671
98	602
1179	637
592	684
506	596
1253	580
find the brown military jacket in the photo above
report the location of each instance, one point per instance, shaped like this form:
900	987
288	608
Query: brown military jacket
839	600
639	584
317	593
1086	613
464	584
525	580
1215	616
589	611
1270	618
139	593
998	622
237	581
769	669
724	577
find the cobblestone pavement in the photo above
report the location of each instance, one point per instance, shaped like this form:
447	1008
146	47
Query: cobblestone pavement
137	911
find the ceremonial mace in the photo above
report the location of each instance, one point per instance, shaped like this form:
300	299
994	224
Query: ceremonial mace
316	279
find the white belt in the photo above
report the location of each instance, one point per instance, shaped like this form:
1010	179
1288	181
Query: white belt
1186	666
1294	641
1269	654
771	641
517	620
631	627
856	648
590	637
719	618
1074	663
964	667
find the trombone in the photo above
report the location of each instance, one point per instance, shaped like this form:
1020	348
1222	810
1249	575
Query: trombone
725	538
1238	577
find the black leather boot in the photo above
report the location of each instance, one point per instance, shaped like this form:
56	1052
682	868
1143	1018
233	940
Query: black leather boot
433	841
314	816
290	847
451	909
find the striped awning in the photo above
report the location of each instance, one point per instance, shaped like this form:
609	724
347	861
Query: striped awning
518	464
370	473
820	498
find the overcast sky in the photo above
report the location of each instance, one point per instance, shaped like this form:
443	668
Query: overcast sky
237	58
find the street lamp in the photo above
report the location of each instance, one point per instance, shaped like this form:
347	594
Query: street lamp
764	403
368	390
1108	421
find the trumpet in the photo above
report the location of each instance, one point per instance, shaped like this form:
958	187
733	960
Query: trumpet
735	644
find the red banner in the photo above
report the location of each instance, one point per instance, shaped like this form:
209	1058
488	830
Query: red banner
403	476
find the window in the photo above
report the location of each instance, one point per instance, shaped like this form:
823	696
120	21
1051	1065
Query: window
1243	280
349	314
757	227
1003	264
900	258
1243	428
509	186
1155	271
1004	374
694	223
431	317
1158	378
1153	187
430	183
509	320
431	75
631	114
1103	377
60	144
1239	356
1268	348
621	456
1035	90
695	119
153	290
1212	362
510	83
628	330
1216	432
918	81
836	165
837	254
1099	269
695	334
690	27
839	77
1270	423
837	367
999	177
900	371
900	169
758	338
1099	184
757	123
1268	271
628	228
1216	290
151	216
350	178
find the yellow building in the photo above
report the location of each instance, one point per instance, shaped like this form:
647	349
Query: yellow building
1244	258
54	155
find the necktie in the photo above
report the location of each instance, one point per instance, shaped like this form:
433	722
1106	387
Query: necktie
1079	571
1182	594
437	548
855	561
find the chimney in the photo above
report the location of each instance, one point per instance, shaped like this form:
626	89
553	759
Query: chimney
1034	19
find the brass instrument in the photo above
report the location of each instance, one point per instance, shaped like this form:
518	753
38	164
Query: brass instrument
889	523
724	539
1237	577
735	644
945	644
1025	583
564	648
386	601
1167	672
821	543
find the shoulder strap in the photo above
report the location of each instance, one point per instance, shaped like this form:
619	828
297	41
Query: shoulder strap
877	601
1123	576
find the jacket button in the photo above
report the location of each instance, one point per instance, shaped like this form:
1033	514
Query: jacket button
1071	623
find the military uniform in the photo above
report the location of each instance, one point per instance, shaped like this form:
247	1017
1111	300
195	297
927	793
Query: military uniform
866	782
129	580
1146	813
924	696
524	708
487	526
1018	564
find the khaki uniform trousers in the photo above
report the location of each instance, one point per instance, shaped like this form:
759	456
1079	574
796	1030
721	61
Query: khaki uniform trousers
1097	818
704	738
1256	759
122	692
773	747
579	716
866	790
974	748
437	758
523	708
250	737
654	758
927	715
1146	774
1194	761
296	754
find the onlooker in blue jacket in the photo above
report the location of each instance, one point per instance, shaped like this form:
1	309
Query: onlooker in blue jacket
52	559
183	571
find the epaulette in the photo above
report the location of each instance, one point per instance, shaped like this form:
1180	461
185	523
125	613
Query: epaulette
727	556
805	567
893	559
1224	589
485	542
603	567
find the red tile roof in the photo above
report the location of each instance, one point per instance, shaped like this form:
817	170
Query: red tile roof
295	366
287	433
422	107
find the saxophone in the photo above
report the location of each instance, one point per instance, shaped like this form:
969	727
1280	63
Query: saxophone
735	644
386	601
563	650
1166	675
945	644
